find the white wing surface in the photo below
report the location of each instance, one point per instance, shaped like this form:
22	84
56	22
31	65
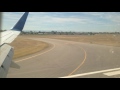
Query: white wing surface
6	51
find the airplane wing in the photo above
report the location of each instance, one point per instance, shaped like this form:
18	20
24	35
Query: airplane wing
6	51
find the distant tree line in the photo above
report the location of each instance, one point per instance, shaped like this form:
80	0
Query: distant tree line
65	33
2	30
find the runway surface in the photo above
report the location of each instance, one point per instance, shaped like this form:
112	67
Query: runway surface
68	59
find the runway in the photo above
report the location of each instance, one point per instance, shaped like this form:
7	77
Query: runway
67	58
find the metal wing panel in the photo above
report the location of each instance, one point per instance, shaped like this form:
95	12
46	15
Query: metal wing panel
6	54
8	36
6	51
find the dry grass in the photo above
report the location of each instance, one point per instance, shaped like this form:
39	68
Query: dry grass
23	47
104	39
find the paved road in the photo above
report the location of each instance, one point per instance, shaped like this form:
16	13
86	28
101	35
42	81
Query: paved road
68	58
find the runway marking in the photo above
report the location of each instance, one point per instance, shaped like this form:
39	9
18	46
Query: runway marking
80	64
112	73
90	73
36	55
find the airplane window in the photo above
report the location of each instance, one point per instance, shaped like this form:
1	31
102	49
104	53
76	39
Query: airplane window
63	44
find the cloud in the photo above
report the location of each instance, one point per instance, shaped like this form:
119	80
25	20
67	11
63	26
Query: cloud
63	20
46	18
12	15
115	17
111	16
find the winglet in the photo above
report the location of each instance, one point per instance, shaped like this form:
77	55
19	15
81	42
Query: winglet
20	24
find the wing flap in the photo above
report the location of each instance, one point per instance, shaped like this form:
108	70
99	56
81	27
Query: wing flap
6	54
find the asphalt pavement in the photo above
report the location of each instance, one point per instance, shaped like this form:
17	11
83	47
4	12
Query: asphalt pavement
69	59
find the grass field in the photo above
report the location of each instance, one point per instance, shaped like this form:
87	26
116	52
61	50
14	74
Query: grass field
103	39
24	46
